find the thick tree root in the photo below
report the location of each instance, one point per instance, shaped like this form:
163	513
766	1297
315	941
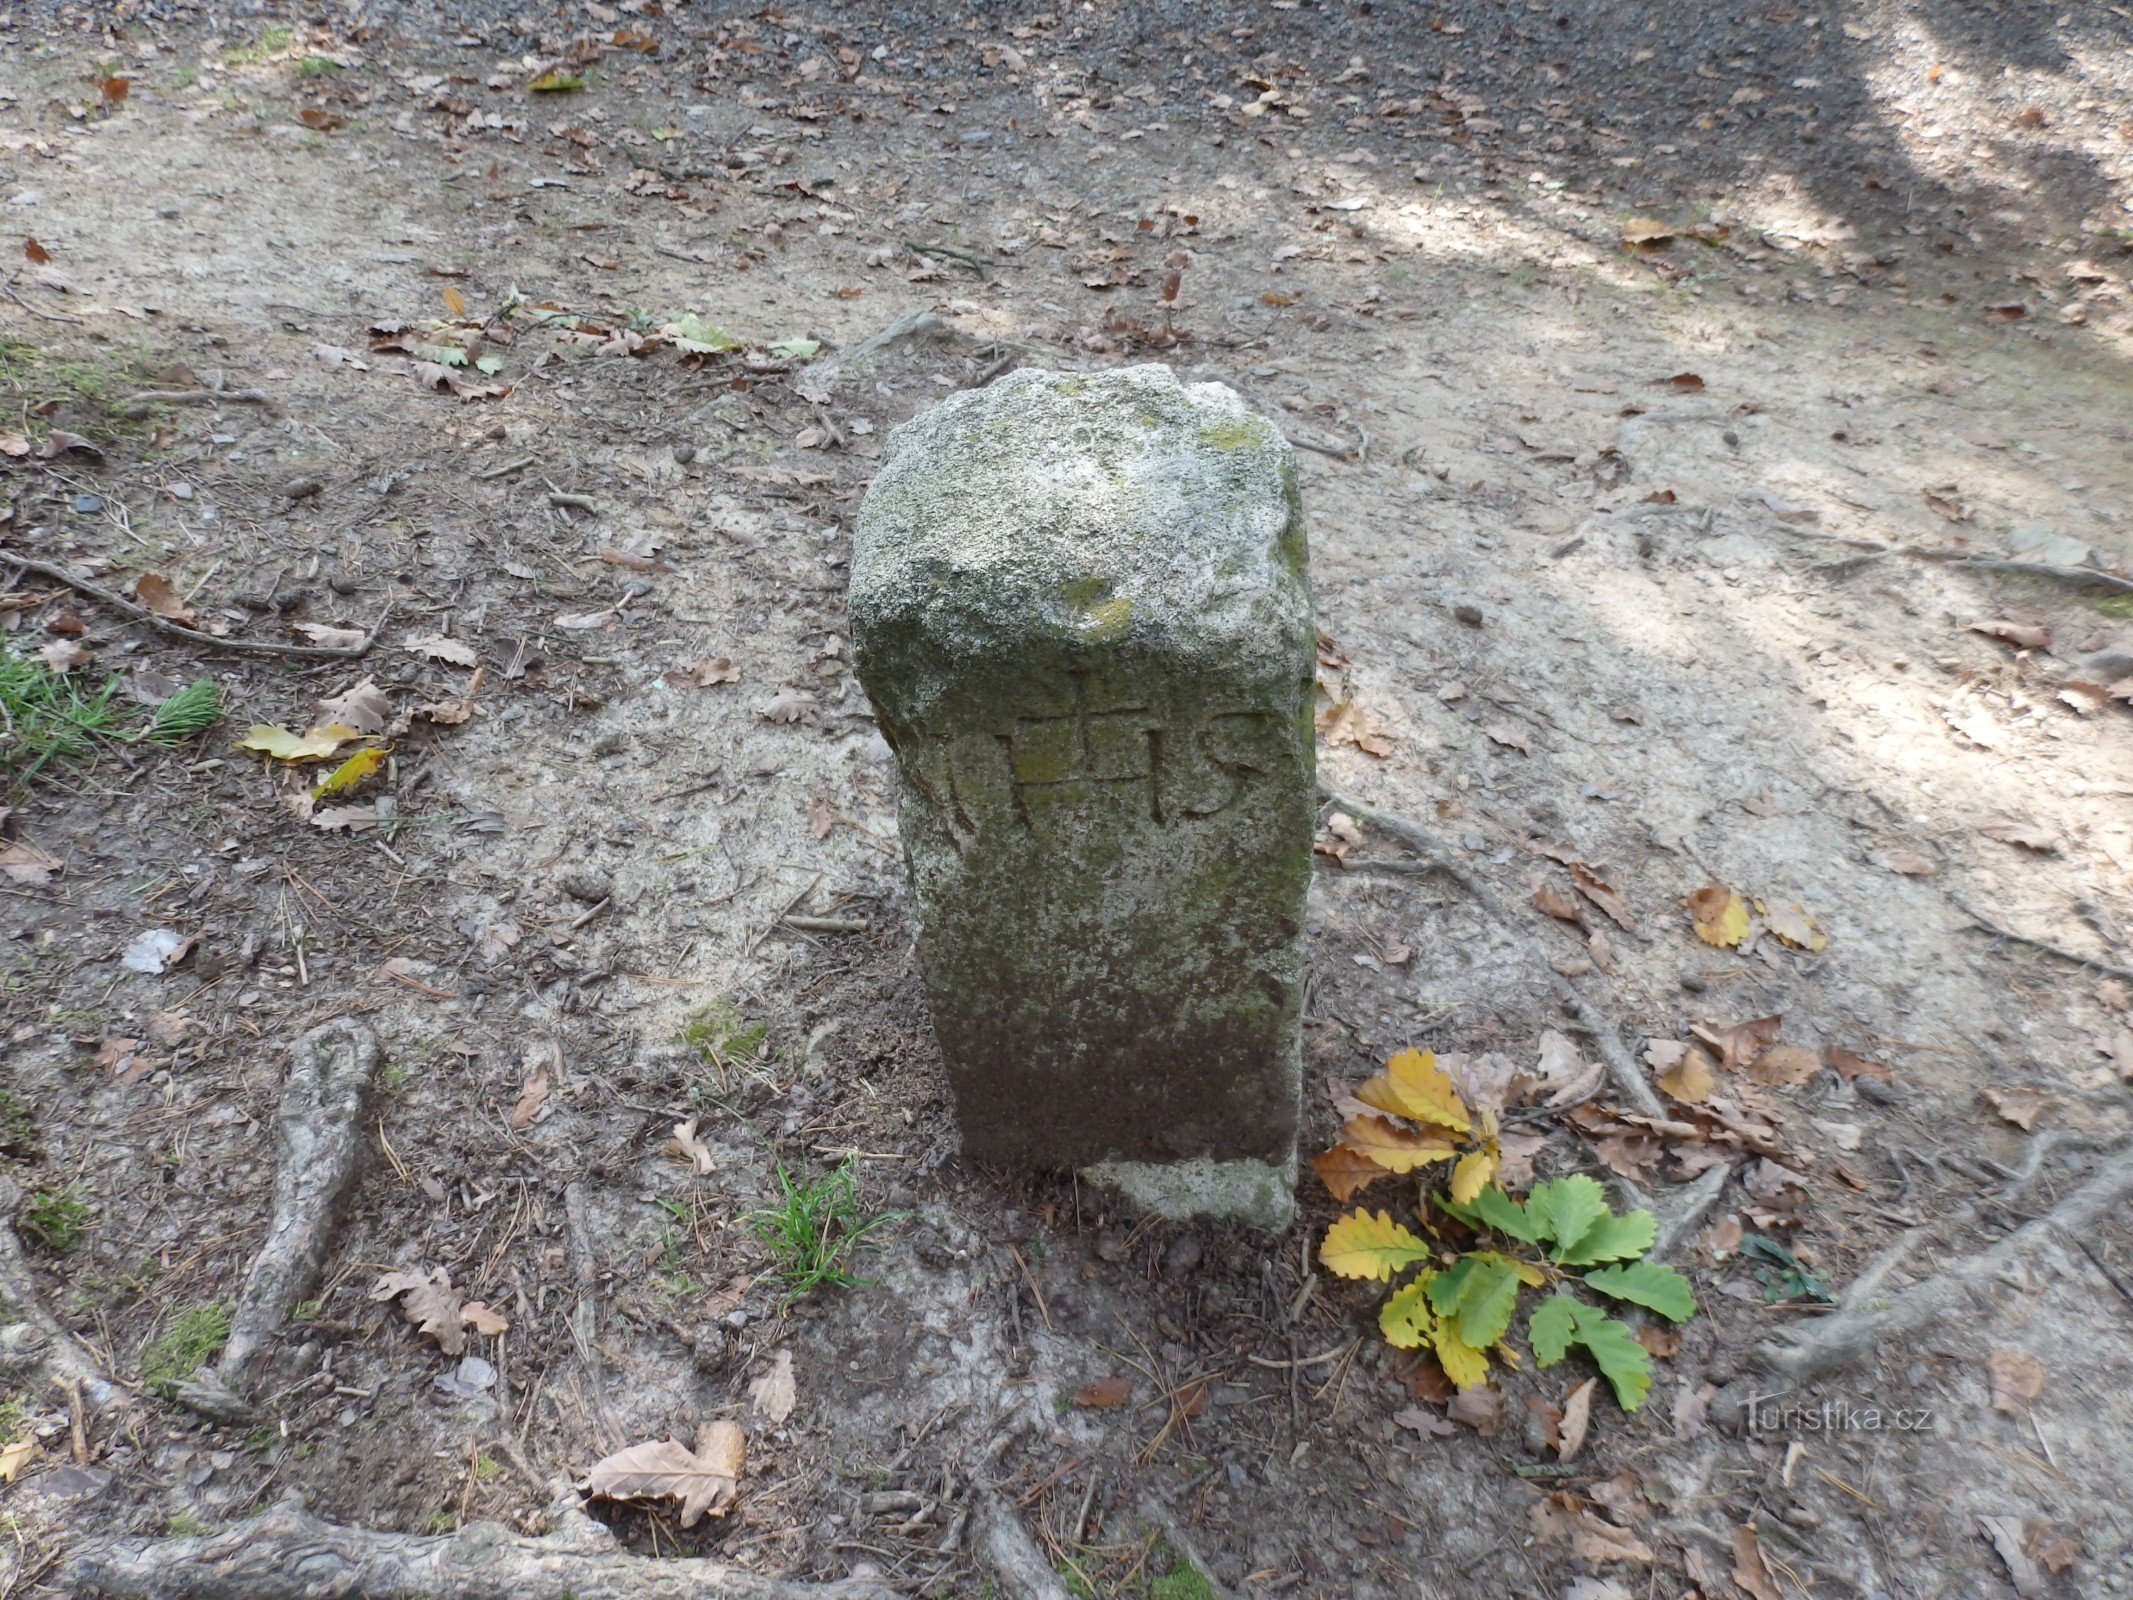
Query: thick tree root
1005	1546
33	1346
1623	1072
287	1554
331	1074
1868	1321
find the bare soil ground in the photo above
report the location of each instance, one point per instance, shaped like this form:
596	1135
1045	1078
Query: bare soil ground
1653	386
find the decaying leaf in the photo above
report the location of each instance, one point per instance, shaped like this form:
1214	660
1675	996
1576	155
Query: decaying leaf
2017	1380
429	1301
1104	1393
791	705
326	634
351	819
1602	894
1684	1071
2022	635
775	1393
1846	1065
2026	835
14	1457
1788	919
1346	1171
1577	1419
1740	1043
363	708
706	1480
1785	1065
2019	1106
439	648
532	1095
692	1149
1720	915
1748	1569
1345	722
153	590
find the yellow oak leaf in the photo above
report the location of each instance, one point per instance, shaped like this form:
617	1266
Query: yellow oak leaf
350	772
1413	1085
1462	1363
1473	1173
315	744
1788	919
1406	1319
1395	1148
1360	1245
1721	915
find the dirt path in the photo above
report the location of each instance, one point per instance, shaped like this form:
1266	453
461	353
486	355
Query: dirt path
1641	490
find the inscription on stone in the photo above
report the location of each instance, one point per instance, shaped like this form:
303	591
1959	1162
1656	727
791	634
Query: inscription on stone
1080	609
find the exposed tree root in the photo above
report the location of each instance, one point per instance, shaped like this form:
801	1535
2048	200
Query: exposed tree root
34	1346
331	1072
1622	1071
1689	1207
2095	963
1005	1546
1866	1321
177	630
287	1554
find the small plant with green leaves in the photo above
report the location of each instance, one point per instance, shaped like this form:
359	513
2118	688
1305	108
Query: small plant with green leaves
1461	1302
52	1221
316	66
815	1229
186	1343
1786	1277
185	1524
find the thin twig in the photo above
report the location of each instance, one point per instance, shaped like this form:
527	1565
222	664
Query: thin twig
969	258
1629	1082
177	630
137	405
2096	963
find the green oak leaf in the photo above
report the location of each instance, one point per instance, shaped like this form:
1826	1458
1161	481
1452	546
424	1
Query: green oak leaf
1648	1284
1565	1208
1449	1288
1486	1306
1626	1364
1405	1319
1611	1238
1505	1215
1552	1329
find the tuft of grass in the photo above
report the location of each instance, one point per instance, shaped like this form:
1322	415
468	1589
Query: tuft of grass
272	41
14	1420
46	717
1183	1581
187	1342
18	1128
721	1035
52	1221
814	1230
193	709
316	66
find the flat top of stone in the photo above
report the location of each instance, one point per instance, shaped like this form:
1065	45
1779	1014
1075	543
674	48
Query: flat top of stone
1103	507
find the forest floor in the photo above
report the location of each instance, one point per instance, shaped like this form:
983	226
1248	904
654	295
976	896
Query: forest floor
1653	388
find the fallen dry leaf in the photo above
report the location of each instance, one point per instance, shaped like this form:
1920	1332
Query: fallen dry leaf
2026	835
1788	919
1720	915
332	637
1427	1423
429	1301
1480	1408
1345	1170
532	1097
691	1148
2019	1106
439	648
1785	1065
1577	1418
1347	723
1748	1569
1684	1071
1552	901
790	705
153	590
1911	863
1602	894
1742	1042
14	1457
2022	635
1848	1066
1104	1393
1510	737
2017	1380
705	1480
775	1393
363	708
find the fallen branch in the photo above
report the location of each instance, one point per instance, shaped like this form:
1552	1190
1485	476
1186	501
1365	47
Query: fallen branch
35	1345
177	630
1628	1080
2095	963
137	405
331	1073
286	1552
1866	1321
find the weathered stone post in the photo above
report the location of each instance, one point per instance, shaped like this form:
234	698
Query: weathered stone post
1080	607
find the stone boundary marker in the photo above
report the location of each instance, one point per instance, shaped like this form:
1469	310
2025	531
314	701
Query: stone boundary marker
1080	607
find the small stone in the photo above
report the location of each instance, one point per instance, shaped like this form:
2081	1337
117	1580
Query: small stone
305	487
1467	612
1182	1256
583	883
